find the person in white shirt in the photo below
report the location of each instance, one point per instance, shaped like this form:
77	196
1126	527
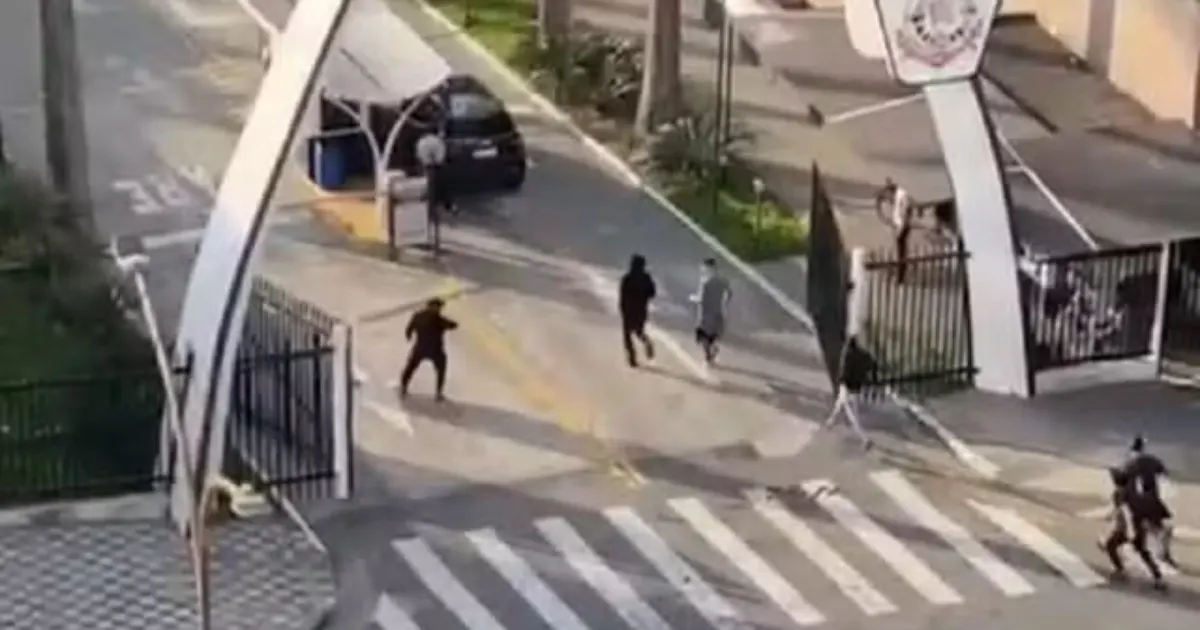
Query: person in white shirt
899	203
431	153
711	300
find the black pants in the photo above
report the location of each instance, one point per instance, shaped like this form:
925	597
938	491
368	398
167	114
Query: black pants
631	327
1120	537
416	357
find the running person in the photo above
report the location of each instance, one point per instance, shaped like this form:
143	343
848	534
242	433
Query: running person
1144	471
711	300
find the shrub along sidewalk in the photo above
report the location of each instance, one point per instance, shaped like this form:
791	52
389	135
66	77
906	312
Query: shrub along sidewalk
596	78
80	401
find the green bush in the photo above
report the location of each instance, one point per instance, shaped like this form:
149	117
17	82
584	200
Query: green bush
688	145
590	69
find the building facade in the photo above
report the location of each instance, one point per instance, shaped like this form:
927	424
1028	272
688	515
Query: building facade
1149	49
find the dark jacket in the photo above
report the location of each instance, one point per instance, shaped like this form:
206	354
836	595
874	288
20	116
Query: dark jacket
856	366
429	327
637	289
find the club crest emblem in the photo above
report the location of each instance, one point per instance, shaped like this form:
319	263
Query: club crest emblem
936	32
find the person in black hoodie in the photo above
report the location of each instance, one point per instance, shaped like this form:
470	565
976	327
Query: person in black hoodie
637	290
427	330
854	367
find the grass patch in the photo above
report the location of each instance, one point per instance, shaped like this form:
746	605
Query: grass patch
753	231
79	398
756	232
500	25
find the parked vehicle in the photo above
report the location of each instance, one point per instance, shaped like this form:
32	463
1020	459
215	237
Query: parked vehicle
485	150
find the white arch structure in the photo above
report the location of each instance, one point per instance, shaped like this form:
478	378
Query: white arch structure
381	59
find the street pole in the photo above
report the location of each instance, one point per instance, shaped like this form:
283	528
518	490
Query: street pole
62	108
718	124
131	266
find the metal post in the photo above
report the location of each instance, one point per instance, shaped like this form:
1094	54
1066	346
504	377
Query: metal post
197	548
727	106
1158	330
858	292
760	189
722	46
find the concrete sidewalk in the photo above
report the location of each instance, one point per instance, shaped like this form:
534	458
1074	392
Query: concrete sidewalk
119	564
1059	446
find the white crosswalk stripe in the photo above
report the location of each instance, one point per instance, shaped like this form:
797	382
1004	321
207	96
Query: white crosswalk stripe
1054	553
739	553
913	503
612	588
442	583
904	562
755	576
828	560
390	616
679	573
527	583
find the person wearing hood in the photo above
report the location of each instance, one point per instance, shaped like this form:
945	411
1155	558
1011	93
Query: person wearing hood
637	290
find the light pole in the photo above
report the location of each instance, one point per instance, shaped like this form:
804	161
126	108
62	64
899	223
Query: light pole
724	103
131	267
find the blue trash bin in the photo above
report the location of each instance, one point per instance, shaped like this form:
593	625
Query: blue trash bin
329	164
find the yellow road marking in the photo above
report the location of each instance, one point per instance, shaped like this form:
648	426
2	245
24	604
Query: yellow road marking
535	388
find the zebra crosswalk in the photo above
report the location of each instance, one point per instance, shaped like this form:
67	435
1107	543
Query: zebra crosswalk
880	566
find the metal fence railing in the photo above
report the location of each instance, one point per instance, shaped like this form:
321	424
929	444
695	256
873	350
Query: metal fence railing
916	323
90	436
290	427
1091	306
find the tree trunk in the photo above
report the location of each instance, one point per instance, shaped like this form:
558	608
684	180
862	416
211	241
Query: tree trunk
662	86
554	20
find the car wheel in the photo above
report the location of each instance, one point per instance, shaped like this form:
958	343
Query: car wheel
514	180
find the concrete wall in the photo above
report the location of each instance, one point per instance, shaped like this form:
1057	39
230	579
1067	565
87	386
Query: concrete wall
1148	48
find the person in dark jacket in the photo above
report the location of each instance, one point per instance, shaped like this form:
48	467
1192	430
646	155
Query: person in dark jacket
1129	527
1144	471
637	290
854	368
427	331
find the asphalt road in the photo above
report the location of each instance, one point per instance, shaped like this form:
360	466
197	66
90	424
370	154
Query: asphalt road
653	471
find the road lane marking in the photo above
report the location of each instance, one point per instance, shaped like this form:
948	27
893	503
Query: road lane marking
608	292
826	558
723	539
905	563
677	572
539	391
390	414
441	582
912	502
608	584
522	578
1039	542
195	235
390	616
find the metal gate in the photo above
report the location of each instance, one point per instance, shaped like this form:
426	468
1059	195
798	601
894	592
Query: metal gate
1092	306
290	432
916	322
828	275
1181	316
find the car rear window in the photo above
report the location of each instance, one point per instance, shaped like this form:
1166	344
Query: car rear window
476	114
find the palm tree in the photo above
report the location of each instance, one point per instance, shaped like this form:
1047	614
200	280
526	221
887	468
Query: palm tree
662	86
554	20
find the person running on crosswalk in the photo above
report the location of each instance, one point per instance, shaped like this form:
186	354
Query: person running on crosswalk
1144	471
711	300
854	368
427	330
1129	527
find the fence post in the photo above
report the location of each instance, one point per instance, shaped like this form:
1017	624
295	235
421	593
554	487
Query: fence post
1159	329
343	401
858	299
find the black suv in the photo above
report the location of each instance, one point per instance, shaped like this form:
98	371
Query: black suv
484	149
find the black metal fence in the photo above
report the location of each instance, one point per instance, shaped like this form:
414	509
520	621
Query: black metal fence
1091	306
828	275
89	436
916	323
1181	318
282	435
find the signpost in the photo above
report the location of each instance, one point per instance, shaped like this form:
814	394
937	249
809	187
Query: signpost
938	45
